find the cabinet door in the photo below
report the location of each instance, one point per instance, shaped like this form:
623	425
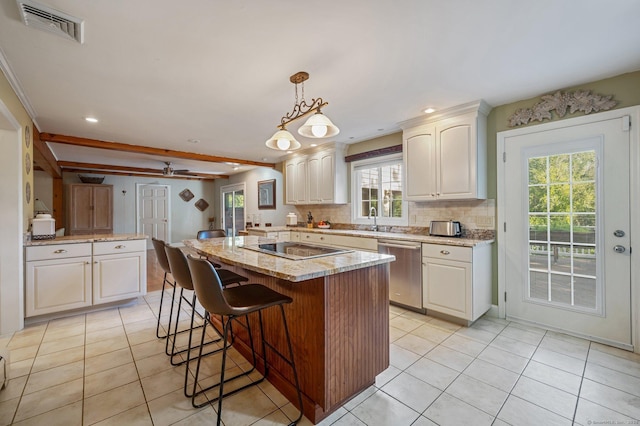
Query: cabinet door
457	157
327	177
57	285
102	209
314	171
300	185
290	176
420	165
81	213
447	287
119	276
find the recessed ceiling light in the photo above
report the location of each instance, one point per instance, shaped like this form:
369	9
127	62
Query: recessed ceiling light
429	110
193	140
289	152
264	158
235	167
91	119
232	164
380	130
314	144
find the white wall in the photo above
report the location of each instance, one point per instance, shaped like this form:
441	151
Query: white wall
186	219
11	232
251	178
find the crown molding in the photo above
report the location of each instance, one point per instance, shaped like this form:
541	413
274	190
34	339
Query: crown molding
17	88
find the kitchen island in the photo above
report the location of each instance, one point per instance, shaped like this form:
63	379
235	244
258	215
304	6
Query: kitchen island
338	321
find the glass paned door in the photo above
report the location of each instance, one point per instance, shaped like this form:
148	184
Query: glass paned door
562	198
566	197
233	211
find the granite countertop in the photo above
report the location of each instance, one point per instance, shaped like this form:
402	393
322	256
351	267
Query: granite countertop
450	241
229	250
89	238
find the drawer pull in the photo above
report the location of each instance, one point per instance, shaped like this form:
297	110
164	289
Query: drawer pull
120	246
60	251
445	252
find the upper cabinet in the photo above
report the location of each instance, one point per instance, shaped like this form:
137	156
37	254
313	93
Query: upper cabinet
445	155
317	177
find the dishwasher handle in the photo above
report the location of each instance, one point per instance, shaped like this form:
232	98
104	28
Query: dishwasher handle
410	246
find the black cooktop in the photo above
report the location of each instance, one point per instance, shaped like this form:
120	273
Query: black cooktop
295	251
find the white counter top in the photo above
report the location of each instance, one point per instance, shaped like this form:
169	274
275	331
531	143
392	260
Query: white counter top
229	250
450	241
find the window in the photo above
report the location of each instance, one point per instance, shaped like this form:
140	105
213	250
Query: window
377	191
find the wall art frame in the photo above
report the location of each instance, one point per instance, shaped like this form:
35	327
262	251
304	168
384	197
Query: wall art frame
267	194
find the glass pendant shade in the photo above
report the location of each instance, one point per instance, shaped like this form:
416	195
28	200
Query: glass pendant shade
318	126
282	140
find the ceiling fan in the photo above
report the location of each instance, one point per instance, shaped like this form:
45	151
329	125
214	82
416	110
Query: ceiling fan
170	171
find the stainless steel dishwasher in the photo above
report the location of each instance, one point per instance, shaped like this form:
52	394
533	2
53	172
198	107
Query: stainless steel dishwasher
405	284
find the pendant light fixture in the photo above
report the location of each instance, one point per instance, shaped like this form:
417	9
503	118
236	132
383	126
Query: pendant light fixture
317	126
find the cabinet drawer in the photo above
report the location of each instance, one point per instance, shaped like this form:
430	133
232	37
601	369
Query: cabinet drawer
114	247
57	251
309	237
358	243
441	251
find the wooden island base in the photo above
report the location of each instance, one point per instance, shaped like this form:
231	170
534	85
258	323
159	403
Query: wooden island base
339	326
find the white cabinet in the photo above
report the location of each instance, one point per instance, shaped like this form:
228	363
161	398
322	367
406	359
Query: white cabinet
457	280
264	232
296	180
341	241
317	177
445	156
58	278
119	270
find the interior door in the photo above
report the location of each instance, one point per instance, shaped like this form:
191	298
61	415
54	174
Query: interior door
233	211
153	211
567	211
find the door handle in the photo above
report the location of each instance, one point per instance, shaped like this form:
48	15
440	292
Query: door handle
619	249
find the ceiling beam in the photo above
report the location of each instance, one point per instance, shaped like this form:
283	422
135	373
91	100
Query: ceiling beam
43	156
108	172
88	167
118	146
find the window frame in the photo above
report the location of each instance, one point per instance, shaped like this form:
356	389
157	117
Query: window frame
356	191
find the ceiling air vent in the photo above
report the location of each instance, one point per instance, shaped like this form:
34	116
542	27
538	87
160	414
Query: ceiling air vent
44	18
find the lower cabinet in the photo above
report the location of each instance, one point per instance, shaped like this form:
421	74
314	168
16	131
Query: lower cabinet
119	270
61	277
457	280
58	278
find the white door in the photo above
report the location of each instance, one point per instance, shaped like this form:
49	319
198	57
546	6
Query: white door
153	211
567	215
233	211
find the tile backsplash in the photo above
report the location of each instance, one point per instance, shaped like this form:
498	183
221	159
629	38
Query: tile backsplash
474	215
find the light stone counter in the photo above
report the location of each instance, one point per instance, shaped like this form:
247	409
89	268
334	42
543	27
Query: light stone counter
89	238
449	241
229	250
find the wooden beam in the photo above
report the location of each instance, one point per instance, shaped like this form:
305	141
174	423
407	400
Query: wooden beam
94	166
118	146
43	156
58	202
107	172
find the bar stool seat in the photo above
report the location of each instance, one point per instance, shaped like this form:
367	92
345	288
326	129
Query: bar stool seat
234	303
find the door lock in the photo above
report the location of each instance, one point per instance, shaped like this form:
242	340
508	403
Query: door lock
619	249
618	233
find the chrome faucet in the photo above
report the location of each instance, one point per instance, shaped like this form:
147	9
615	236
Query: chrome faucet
375	215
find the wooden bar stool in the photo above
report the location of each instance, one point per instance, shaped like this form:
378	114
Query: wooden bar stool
234	303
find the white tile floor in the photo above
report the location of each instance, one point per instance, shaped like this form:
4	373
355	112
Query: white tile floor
108	368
